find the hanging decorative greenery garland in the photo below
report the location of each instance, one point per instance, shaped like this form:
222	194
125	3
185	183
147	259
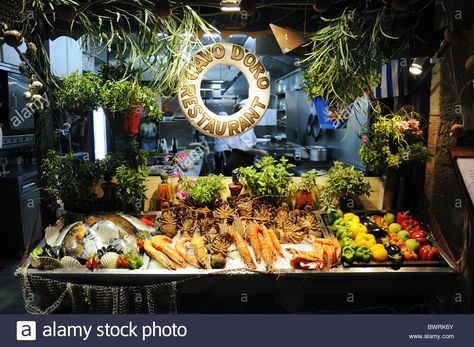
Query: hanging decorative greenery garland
346	54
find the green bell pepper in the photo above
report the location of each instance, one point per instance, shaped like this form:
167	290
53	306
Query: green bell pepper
333	216
343	232
348	254
339	221
363	254
347	241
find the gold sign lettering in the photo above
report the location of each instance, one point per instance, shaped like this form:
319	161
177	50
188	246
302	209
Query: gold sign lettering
237	53
259	92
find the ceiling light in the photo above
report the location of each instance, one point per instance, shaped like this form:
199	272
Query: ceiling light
416	67
219	81
230	6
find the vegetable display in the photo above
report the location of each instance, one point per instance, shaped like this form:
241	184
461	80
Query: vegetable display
379	238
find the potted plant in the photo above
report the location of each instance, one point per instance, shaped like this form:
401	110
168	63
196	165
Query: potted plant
343	183
267	179
204	191
131	188
79	93
395	141
125	101
72	180
306	190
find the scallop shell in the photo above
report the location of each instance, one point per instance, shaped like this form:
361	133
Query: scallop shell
49	263
70	263
34	261
109	260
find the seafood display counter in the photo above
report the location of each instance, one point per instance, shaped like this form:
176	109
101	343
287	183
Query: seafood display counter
134	267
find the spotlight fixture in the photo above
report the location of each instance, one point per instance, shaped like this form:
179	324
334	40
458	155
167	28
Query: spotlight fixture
230	6
416	66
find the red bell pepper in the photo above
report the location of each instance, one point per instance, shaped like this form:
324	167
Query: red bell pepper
403	216
410	225
123	263
421	236
428	252
92	263
146	221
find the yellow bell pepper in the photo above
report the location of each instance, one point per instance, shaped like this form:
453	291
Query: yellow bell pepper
356	228
348	217
379	253
364	239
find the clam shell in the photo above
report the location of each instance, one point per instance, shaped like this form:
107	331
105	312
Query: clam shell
49	263
70	263
109	260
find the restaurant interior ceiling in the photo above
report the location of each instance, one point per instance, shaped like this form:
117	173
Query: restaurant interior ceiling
300	16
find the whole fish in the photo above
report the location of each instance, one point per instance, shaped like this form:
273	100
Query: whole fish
72	243
129	224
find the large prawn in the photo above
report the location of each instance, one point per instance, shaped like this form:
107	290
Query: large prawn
253	238
160	257
267	253
163	244
243	250
180	248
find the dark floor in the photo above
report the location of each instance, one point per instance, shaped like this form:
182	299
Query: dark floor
11	300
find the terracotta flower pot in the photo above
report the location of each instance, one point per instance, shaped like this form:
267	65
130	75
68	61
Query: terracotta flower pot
303	198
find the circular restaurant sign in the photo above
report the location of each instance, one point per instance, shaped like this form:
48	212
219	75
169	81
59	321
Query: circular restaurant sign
257	77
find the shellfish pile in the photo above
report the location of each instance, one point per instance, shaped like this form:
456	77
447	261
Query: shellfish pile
205	238
105	241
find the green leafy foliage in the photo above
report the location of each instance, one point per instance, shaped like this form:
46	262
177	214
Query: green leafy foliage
394	138
122	97
205	190
131	28
343	182
131	187
79	93
107	166
267	178
346	54
71	179
308	182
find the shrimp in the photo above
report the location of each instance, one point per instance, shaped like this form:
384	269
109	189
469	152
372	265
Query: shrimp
268	242
266	253
180	248
275	242
160	257
200	251
163	244
253	238
243	250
